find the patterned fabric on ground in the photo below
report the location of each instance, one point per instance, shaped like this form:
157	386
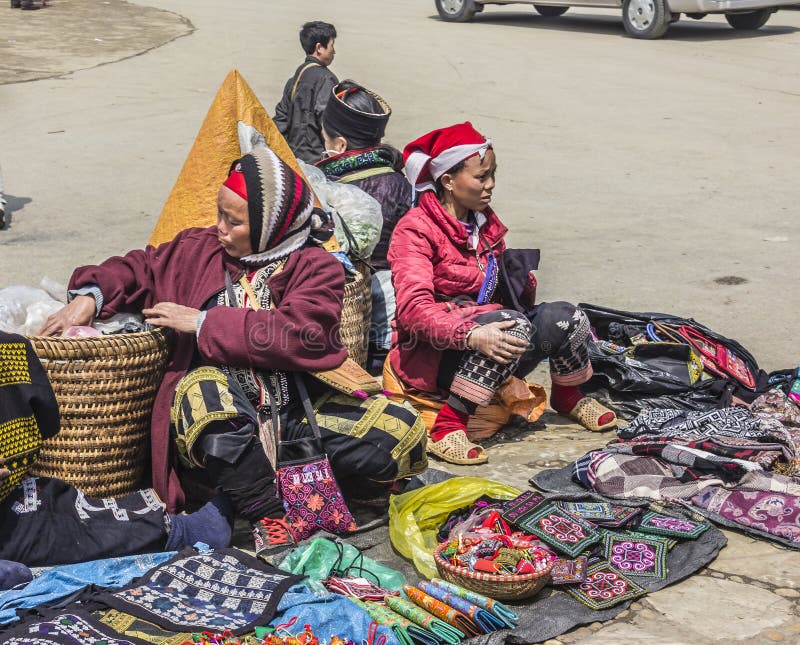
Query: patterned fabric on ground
133	627
565	532
725	422
615	474
59	582
66	627
567	572
604	587
773	513
724	461
636	557
658	524
217	590
775	405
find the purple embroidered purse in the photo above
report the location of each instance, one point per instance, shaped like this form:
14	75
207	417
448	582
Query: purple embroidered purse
305	482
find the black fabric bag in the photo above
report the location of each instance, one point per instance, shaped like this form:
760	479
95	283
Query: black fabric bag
656	377
517	284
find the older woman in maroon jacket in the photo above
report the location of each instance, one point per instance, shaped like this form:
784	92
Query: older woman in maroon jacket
457	333
230	360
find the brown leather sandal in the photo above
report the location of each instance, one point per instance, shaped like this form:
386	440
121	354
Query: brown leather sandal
454	448
588	411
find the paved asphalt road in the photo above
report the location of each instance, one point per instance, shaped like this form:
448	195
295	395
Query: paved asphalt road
652	174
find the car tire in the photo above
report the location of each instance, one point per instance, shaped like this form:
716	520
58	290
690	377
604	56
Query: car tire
648	19
749	21
456	10
549	11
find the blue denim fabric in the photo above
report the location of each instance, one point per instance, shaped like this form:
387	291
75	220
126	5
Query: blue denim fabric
58	582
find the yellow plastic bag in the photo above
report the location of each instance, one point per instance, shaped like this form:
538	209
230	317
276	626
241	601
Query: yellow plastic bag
415	517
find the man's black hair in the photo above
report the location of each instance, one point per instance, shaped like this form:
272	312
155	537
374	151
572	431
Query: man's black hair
316	32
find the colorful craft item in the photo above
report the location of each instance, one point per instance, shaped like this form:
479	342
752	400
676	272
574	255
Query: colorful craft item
404	630
485	620
520	506
622	515
658	524
562	530
636	556
442	630
496	523
605	587
591	511
568	572
489	604
668	541
442	611
498	554
360	588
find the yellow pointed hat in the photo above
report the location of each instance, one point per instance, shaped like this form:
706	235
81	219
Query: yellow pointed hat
235	123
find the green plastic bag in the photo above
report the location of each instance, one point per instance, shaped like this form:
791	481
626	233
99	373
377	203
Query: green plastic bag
321	555
415	517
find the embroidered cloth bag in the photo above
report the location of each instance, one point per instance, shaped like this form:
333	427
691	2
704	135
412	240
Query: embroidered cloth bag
305	481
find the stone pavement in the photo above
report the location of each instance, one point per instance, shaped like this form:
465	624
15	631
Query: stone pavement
750	594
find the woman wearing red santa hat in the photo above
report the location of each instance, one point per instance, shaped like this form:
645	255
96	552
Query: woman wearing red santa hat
466	317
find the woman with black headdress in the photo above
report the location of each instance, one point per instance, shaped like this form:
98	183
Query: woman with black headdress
353	125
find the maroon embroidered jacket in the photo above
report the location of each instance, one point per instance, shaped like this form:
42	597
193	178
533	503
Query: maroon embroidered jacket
300	333
431	265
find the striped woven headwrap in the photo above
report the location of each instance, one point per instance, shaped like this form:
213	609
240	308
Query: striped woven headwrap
279	205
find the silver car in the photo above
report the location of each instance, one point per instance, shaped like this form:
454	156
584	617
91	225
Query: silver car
642	18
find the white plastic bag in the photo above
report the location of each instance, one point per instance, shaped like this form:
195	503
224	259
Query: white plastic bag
360	212
23	310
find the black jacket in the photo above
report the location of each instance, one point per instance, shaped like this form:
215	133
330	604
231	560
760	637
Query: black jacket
393	192
299	117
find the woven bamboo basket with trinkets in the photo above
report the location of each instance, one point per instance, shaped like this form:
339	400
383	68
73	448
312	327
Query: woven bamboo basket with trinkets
499	587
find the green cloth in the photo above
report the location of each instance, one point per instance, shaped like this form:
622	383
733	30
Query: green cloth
322	557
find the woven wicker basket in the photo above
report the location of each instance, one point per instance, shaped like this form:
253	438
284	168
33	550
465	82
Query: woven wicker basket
105	387
356	315
489	584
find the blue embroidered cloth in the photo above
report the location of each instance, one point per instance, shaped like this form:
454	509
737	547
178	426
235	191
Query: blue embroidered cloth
58	582
211	591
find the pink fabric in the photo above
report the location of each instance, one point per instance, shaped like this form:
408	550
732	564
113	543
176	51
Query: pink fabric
300	334
430	264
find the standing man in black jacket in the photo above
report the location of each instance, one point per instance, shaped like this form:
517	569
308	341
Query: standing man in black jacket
299	113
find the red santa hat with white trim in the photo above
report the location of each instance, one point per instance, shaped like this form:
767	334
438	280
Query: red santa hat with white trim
433	154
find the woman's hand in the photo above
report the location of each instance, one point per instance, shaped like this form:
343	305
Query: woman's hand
491	340
79	312
174	316
4	472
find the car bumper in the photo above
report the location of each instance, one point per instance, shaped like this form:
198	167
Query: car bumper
724	6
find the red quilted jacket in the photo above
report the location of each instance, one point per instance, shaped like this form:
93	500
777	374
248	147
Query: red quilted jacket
431	266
